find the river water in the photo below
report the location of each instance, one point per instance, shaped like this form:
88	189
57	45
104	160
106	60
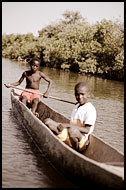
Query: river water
23	166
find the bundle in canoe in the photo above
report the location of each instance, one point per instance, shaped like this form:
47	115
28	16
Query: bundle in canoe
100	163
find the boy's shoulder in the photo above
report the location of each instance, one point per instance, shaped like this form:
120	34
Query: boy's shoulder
87	106
41	73
26	72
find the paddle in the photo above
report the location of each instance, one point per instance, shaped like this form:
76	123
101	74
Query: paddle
52	97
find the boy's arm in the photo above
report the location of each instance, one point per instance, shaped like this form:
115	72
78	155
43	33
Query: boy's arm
16	83
85	129
49	83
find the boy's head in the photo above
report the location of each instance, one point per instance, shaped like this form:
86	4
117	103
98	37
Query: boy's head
81	92
35	64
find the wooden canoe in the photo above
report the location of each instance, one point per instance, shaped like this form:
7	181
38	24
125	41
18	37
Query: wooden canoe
100	164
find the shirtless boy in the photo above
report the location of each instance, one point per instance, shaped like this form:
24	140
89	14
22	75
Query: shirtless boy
33	77
82	122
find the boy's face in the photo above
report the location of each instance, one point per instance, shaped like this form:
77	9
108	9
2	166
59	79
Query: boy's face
35	66
81	94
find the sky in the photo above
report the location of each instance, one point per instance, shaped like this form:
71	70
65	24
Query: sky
30	17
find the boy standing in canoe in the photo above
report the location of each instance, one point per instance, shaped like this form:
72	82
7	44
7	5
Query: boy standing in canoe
82	122
33	77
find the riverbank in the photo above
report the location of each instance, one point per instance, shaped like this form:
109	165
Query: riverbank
103	76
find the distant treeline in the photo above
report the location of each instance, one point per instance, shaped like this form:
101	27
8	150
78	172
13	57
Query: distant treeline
73	44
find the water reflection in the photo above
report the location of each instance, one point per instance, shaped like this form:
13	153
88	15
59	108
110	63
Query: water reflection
101	88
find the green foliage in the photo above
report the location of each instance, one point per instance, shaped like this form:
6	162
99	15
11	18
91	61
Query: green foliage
88	66
73	44
110	57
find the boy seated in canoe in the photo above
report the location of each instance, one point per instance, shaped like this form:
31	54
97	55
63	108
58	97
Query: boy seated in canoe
33	77
82	122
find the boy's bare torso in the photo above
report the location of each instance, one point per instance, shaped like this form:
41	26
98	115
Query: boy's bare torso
32	79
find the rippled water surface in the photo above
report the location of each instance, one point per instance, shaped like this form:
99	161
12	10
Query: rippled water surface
22	164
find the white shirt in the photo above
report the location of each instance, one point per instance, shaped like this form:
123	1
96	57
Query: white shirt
85	114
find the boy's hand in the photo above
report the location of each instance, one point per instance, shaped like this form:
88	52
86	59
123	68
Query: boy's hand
8	85
45	95
54	126
75	136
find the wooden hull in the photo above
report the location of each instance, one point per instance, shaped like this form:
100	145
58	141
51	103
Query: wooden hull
100	164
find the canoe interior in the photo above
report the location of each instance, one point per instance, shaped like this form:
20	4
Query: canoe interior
97	150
